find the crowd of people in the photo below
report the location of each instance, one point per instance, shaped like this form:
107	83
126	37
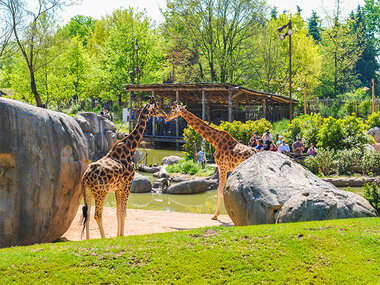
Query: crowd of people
279	144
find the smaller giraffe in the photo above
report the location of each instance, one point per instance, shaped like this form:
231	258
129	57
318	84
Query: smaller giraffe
229	153
114	173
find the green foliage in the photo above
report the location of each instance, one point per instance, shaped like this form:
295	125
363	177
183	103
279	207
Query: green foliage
372	194
373	120
370	163
348	132
322	163
186	166
347	161
333	111
240	131
306	127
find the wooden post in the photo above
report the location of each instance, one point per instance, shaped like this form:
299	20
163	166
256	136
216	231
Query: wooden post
373	95
153	122
203	106
264	108
177	121
230	105
130	110
208	111
305	103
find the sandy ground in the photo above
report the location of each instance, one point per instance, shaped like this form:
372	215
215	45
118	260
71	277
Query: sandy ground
139	222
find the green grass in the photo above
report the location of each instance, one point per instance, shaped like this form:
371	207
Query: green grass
121	127
326	252
190	167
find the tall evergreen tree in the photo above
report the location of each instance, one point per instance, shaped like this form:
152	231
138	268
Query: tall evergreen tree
314	26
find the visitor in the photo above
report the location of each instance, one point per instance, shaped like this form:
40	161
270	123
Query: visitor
260	146
267	140
267	132
298	149
201	158
278	140
253	142
102	113
107	115
312	150
272	147
283	147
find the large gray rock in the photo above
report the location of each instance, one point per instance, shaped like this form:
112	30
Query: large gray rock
43	155
188	187
326	205
137	156
141	184
259	187
100	134
169	160
375	132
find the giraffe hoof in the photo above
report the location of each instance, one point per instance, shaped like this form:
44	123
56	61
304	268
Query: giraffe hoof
214	218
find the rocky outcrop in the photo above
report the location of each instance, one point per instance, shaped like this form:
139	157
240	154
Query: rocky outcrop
259	188
375	132
43	155
188	187
141	184
148	169
100	134
169	160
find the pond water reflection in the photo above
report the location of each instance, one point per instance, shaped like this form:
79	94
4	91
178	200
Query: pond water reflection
202	203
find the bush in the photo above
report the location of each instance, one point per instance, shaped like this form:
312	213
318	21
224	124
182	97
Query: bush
347	161
322	163
373	120
305	126
189	167
370	163
240	131
372	195
331	134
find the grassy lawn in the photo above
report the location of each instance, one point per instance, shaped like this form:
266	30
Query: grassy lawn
333	252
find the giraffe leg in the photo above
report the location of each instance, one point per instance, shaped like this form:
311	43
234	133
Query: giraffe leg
89	203
121	203
222	183
99	203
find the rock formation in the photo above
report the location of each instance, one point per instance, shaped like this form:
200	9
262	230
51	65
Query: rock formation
270	186
42	157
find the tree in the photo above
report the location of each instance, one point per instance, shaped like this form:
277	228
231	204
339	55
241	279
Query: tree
314	26
25	27
81	26
214	30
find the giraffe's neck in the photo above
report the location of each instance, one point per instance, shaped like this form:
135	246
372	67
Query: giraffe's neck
124	149
211	134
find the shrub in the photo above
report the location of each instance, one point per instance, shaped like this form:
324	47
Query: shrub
332	111
347	161
373	120
331	134
372	195
185	167
365	108
305	126
370	162
322	163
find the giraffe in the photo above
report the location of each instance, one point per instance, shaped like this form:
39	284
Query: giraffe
114	173
229	153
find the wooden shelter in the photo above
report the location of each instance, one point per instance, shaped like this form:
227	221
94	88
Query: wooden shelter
213	102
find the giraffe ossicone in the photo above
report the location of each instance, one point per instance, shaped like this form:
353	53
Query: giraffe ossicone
229	153
114	173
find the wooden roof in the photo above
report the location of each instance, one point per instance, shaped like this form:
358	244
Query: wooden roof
214	93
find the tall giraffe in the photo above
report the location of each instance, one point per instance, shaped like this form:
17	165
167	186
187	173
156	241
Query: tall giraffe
114	173
229	152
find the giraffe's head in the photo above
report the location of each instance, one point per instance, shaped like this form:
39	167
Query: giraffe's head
155	110
175	111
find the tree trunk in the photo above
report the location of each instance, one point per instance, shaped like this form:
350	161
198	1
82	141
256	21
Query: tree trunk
34	88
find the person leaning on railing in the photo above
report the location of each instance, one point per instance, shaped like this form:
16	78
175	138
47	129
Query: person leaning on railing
298	149
283	147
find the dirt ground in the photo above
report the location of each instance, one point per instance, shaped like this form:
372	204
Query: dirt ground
139	222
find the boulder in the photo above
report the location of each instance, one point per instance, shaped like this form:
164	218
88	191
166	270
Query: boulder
160	184
100	134
141	184
326	205
149	169
259	187
188	187
169	160
375	132
137	157
43	155
162	173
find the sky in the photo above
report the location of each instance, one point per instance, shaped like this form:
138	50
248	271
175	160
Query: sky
99	8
